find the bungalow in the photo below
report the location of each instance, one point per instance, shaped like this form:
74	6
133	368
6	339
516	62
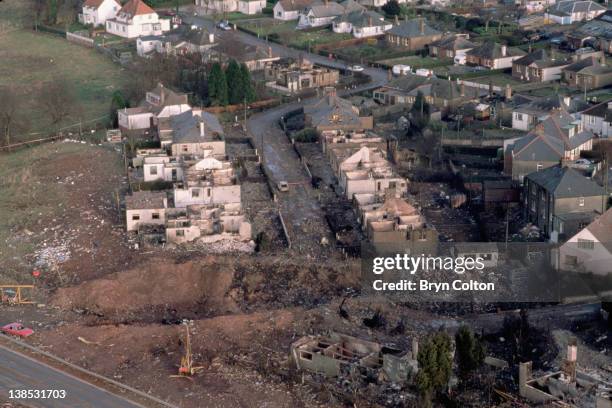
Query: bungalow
176	43
572	11
450	47
590	250
413	34
598	119
253	56
96	12
361	24
287	10
587	74
160	102
331	112
136	19
535	6
557	197
322	13
443	94
493	56
538	66
217	6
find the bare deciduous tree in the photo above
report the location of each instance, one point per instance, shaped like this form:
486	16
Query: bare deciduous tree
58	101
9	114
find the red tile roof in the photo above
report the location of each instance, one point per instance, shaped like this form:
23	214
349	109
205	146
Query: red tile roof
93	3
136	8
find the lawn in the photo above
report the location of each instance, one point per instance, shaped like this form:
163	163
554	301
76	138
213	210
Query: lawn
286	33
30	60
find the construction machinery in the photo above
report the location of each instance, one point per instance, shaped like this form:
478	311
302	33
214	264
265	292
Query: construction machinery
187	369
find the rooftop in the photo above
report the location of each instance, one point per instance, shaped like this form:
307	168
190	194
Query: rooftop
142	200
565	182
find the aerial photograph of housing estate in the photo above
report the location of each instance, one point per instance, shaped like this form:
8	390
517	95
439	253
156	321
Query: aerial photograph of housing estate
305	203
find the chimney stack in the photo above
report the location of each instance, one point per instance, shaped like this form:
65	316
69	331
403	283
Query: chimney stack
269	52
422	25
504	50
202	132
396	19
211	38
370	21
508	94
462	88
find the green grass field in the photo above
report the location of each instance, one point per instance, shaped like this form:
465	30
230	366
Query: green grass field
29	60
287	33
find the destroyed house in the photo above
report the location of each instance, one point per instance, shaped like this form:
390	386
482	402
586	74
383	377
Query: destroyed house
331	112
334	354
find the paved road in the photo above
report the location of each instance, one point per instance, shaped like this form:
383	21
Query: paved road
21	372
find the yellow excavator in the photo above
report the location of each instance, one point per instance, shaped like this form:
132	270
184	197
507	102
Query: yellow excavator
187	369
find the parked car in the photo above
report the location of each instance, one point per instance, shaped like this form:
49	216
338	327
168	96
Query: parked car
224	25
17	329
582	164
356	68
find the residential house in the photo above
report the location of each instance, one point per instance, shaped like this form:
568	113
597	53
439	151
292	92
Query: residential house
189	134
161	167
536	6
159	103
393	222
294	76
413	34
361	24
558	199
539	66
217	6
440	93
525	116
572	11
96	12
287	10
588	74
367	171
559	138
322	13
590	250
251	7
136	19
331	112
208	181
206	224
145	208
256	58
493	56
329	355
598	119
176	43
451	47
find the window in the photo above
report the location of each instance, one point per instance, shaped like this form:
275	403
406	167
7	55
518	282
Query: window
539	166
208	192
135	217
155	216
195	193
581	201
180	233
153	171
586	244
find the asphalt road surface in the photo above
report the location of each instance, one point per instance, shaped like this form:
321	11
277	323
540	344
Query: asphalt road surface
18	372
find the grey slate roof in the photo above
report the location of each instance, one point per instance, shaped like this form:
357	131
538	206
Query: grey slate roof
295	5
538	147
454	42
492	50
186	127
567	7
565	182
600	110
541	59
412	28
363	18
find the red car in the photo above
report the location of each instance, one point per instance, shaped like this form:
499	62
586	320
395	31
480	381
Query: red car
17	329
